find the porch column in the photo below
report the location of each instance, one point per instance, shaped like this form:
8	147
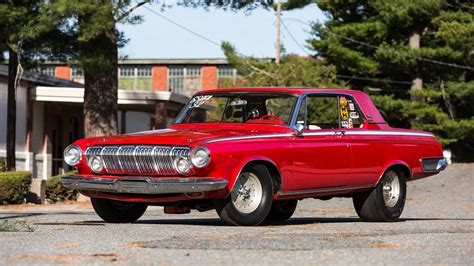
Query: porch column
161	115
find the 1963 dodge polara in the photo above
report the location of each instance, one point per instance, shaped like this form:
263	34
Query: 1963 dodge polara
252	153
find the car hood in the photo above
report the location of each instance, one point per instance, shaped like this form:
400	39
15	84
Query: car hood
183	135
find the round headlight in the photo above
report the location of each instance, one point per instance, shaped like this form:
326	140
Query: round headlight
96	164
182	165
200	157
72	155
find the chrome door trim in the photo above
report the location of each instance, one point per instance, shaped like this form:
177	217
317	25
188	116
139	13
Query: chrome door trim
323	190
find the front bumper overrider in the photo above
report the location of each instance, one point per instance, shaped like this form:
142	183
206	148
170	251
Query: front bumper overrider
145	185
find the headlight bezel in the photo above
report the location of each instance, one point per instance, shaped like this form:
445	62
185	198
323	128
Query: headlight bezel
177	168
90	164
195	159
66	155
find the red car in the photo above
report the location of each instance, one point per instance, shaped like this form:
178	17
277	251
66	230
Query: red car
252	153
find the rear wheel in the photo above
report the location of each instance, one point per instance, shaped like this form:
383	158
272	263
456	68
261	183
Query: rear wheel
281	210
250	200
386	201
113	211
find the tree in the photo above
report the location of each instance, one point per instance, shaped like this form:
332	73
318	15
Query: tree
377	43
292	71
22	23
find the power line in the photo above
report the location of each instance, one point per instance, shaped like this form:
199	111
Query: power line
293	37
376	47
183	27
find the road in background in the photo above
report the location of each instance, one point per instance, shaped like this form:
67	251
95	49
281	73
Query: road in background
437	227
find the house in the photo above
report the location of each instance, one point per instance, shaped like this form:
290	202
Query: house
50	102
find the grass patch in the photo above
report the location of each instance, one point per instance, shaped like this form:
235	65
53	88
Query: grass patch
15	226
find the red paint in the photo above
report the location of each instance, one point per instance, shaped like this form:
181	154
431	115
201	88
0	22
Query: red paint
320	161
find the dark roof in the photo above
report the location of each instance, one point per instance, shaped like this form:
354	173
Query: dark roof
42	79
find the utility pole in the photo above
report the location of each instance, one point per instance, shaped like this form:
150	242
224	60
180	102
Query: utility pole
277	45
414	42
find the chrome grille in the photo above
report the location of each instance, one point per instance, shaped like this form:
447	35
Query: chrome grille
138	159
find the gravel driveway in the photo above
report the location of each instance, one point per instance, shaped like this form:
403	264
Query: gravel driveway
437	227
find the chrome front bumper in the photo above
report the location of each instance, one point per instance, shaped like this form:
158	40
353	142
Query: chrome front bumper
145	185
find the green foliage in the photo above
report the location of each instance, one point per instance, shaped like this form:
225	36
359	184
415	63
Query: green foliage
3	166
292	71
370	39
14	186
55	191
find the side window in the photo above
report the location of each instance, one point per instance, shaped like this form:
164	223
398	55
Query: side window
351	116
319	112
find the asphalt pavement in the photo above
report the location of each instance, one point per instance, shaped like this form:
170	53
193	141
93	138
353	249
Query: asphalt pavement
437	227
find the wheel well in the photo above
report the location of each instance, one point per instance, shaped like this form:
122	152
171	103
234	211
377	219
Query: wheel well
402	168
272	169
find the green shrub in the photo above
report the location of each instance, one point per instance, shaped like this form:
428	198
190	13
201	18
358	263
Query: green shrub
55	191
14	186
3	166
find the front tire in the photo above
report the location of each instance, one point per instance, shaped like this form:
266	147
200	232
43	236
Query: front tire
281	210
113	211
250	200
386	201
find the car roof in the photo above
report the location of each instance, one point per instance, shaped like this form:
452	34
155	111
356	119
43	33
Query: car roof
294	90
362	98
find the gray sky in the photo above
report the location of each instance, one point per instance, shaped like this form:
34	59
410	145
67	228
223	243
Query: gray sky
252	34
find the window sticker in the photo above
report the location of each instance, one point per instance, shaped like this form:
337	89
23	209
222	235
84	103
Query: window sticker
351	107
353	115
343	101
199	100
238	102
344	113
345	124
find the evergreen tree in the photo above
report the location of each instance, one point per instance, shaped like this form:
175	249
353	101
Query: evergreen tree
402	46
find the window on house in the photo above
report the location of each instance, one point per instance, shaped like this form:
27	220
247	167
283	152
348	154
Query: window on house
184	80
48	71
226	72
144	71
77	72
137	78
127	71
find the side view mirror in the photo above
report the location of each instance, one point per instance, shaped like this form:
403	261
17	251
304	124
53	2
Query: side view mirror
298	129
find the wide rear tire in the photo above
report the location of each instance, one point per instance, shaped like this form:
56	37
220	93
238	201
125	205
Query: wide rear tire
281	210
113	211
386	201
250	200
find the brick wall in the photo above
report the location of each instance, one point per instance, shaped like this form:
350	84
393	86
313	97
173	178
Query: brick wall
63	72
209	77
160	78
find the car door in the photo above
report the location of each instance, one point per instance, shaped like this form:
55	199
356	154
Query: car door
321	156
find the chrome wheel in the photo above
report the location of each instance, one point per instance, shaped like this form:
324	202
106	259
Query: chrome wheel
391	189
247	193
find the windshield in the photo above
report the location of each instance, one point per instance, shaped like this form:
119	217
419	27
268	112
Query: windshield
268	108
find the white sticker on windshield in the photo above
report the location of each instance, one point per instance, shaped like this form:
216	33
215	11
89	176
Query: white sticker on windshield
199	100
238	103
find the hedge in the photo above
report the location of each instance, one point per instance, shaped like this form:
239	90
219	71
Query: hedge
55	191
14	186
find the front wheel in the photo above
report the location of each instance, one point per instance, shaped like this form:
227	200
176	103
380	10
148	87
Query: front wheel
113	211
386	201
250	200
